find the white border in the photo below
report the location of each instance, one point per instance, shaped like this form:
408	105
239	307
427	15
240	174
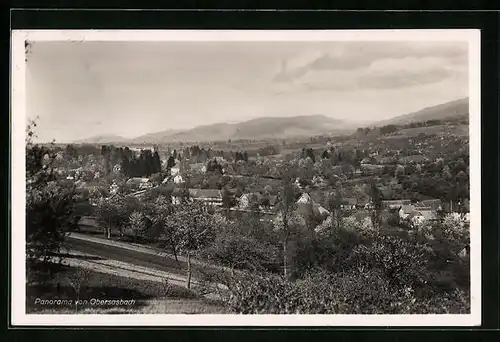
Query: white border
18	308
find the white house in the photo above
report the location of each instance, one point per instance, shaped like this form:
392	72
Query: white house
305	198
178	179
198	167
419	217
406	210
246	200
113	189
175	170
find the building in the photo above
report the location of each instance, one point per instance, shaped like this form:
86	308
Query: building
405	211
420	216
140	183
174	170
392	204
434	204
413	159
349	204
178	179
206	196
198	167
304	198
246	200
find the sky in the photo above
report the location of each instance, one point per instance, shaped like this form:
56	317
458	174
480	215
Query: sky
84	89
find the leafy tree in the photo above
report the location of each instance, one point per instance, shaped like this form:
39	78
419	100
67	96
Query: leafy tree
227	199
376	200
49	204
136	222
170	162
192	227
286	206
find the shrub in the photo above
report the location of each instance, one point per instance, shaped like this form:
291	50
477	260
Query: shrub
318	293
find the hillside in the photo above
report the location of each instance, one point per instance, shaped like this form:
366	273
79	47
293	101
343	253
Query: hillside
260	128
453	109
284	127
102	139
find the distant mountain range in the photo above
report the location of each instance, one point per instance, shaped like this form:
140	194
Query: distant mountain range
453	109
282	127
260	128
102	139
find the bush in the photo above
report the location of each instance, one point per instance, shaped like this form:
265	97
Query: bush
402	262
318	293
242	252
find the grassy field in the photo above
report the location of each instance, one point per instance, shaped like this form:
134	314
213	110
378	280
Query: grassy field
142	296
456	130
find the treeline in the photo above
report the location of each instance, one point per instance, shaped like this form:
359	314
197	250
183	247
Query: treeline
143	165
391	128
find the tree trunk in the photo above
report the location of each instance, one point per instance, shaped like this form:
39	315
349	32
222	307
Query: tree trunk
286	272
174	250
189	270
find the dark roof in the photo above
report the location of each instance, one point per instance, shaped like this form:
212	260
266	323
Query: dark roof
350	201
205	193
137	180
414	158
407	208
434	204
388	203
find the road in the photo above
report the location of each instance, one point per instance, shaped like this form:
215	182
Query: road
130	260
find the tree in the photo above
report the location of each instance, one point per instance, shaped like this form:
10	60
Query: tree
78	280
334	205
227	198
192	228
286	206
376	199
170	162
112	214
49	204
136	222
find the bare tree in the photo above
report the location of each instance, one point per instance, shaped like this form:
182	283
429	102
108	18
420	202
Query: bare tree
287	204
78	280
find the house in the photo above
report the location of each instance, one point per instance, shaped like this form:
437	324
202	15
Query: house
207	196
198	167
321	211
178	179
174	170
392	204
371	169
138	182
113	189
304	198
366	161
467	217
246	200
405	211
349	204
413	159
464	252
434	204
420	216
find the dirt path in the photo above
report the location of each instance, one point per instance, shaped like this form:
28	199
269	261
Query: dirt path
122	259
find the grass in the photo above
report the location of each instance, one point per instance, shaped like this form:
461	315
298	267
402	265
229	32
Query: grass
148	296
457	130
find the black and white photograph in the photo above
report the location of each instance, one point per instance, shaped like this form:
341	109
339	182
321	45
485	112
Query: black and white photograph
246	177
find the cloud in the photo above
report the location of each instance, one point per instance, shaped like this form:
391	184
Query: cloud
373	65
